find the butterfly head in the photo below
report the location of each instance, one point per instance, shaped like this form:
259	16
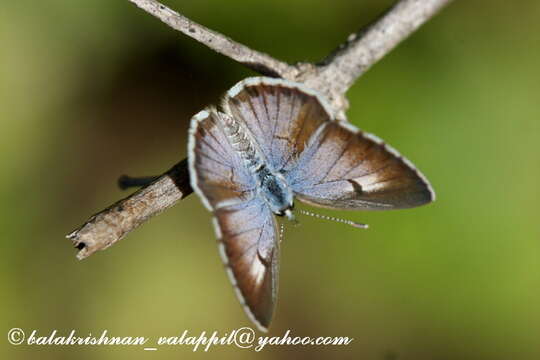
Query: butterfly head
286	211
289	214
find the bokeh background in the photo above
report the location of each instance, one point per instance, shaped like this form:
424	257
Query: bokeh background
90	90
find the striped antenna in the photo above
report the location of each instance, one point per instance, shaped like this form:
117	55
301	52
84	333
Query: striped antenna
331	218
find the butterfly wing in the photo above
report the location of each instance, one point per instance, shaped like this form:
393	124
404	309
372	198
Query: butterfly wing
345	168
250	250
328	163
217	173
279	114
244	224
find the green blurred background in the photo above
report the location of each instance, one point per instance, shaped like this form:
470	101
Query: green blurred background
90	90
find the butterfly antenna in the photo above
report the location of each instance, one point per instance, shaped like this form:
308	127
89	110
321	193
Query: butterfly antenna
281	232
331	218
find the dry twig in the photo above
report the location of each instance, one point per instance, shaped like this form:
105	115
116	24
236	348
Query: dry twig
332	77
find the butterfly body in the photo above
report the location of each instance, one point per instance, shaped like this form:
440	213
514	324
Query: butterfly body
273	141
275	191
271	186
242	143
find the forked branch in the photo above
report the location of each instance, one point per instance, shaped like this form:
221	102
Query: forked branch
332	77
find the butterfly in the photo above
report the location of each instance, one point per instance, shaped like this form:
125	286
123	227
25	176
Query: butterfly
270	143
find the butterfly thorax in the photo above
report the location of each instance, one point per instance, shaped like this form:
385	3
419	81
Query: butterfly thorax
271	185
273	188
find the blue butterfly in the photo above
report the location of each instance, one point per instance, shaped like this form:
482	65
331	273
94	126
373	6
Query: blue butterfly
274	141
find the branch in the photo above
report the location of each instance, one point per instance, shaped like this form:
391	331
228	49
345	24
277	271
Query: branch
258	61
112	224
363	49
332	77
